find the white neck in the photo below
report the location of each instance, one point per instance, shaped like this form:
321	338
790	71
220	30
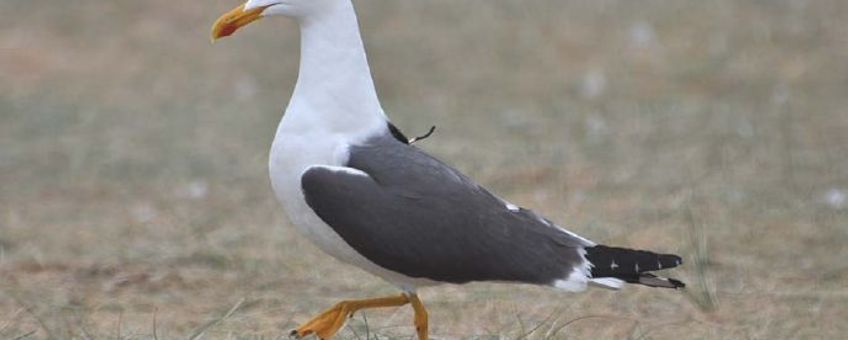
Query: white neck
334	87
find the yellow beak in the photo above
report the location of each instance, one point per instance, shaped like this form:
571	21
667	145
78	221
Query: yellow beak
231	21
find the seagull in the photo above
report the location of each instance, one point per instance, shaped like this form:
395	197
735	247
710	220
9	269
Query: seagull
354	184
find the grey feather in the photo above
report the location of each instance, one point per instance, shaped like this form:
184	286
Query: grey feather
419	217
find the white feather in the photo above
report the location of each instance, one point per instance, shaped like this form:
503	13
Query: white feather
578	277
607	282
337	169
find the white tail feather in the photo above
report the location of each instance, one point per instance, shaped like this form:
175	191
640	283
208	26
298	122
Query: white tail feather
607	282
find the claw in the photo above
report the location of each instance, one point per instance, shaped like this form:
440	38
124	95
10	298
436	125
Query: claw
328	323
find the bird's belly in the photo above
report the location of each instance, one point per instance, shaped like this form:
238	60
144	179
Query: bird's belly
290	157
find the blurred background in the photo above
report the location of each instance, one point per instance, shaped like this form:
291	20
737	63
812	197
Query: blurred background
135	201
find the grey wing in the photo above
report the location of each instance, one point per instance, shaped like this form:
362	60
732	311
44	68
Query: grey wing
410	213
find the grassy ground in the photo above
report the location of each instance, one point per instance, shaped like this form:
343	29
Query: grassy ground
135	204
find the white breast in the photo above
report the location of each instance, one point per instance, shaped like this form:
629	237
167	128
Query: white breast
296	148
291	154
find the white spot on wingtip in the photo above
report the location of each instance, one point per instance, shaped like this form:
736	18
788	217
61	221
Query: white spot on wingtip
637	267
659	264
613	265
512	207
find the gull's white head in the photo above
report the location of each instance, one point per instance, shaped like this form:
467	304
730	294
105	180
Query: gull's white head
253	10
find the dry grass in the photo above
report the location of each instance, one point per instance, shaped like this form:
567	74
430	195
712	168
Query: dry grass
135	202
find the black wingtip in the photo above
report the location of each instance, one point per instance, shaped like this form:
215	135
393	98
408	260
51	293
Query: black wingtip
623	262
667	261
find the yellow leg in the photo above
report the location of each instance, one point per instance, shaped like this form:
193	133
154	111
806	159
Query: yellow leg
328	323
421	323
